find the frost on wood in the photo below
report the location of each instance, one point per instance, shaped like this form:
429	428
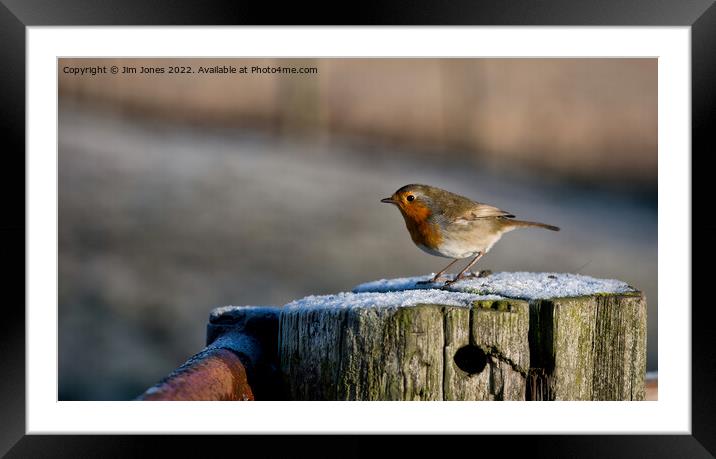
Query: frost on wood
388	299
508	336
523	285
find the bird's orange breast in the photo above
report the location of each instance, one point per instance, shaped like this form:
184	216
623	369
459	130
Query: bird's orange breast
421	230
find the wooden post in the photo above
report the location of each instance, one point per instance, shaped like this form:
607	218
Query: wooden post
456	345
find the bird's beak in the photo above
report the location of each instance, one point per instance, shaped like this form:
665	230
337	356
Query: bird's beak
388	201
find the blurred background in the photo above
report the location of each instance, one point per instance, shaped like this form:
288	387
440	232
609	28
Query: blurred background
179	193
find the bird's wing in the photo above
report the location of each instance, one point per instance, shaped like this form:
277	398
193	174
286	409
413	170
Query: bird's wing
480	210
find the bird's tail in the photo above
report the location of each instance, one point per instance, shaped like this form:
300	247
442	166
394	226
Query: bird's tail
523	224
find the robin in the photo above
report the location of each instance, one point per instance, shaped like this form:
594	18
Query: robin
448	225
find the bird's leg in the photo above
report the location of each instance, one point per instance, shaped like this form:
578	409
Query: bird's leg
437	278
461	274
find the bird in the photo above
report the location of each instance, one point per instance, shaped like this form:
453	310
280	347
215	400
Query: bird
448	225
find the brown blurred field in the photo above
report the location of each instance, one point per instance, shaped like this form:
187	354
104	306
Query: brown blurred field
587	118
178	194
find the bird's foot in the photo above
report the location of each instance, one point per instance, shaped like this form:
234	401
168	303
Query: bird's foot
452	281
483	273
469	275
434	280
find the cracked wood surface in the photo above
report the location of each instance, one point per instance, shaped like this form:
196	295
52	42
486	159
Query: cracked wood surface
585	348
590	348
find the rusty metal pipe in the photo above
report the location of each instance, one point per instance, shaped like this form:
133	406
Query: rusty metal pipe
240	361
212	374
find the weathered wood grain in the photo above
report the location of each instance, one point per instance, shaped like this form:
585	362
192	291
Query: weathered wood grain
363	353
584	348
499	330
589	348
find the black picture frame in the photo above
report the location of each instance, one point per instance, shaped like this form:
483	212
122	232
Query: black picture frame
16	15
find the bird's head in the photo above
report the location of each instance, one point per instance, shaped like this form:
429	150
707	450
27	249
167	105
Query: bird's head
414	201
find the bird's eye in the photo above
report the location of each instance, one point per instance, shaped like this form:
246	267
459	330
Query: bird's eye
410	198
